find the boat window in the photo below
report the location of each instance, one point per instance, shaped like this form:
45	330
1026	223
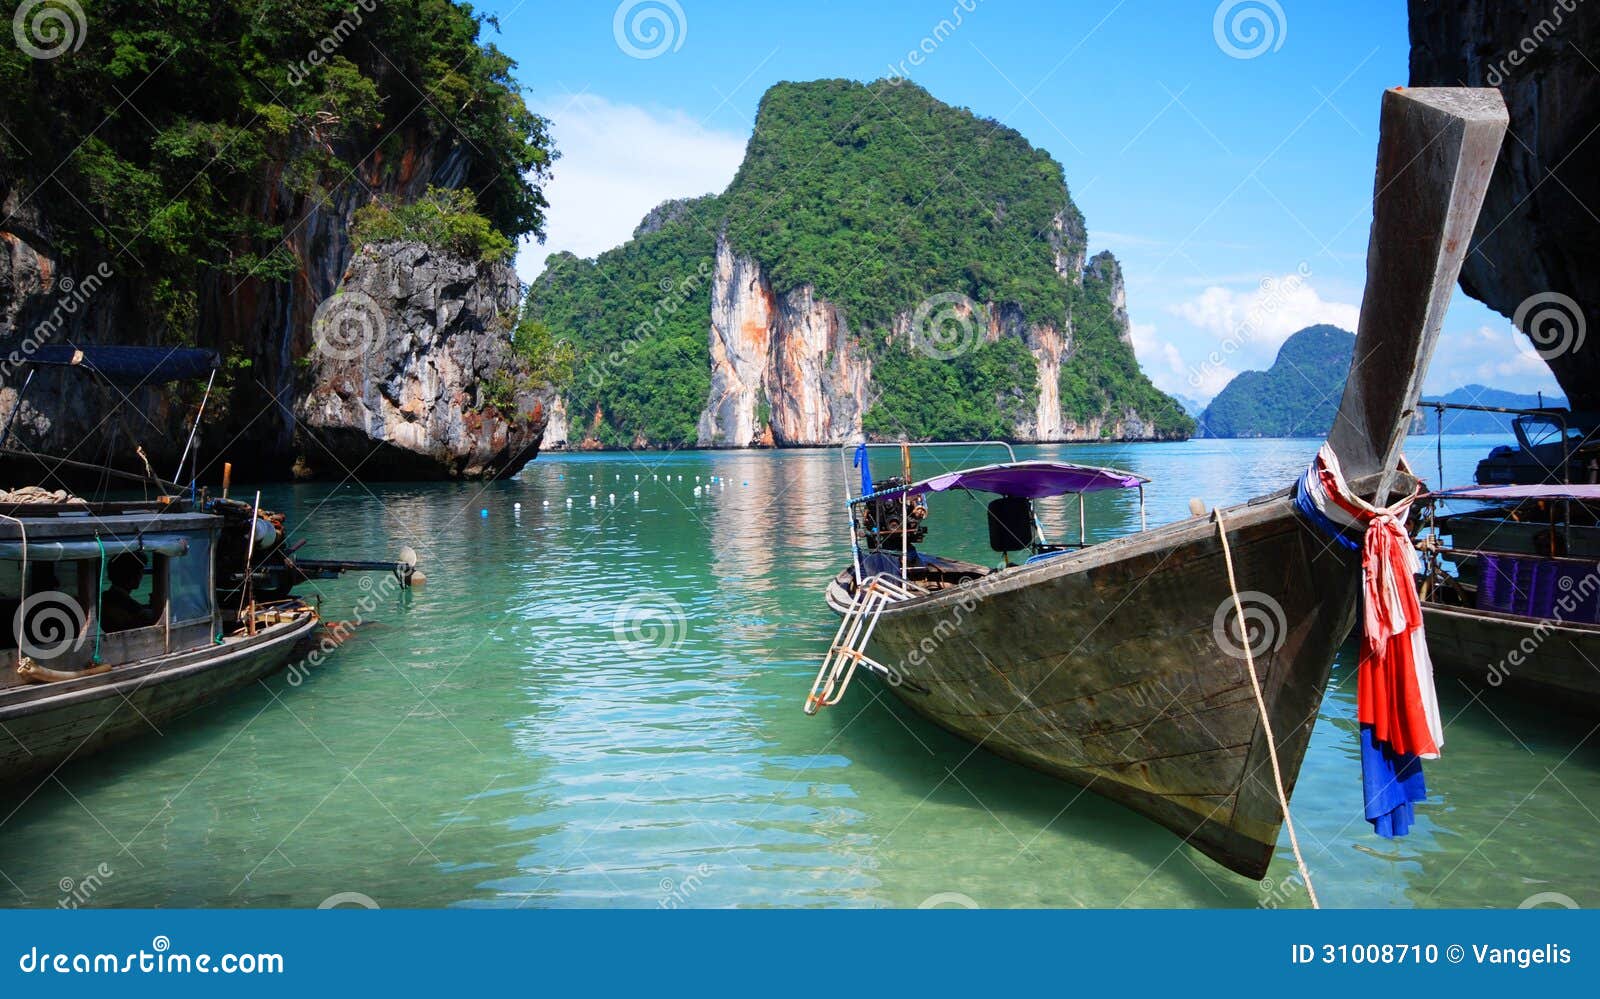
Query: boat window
54	611
189	581
1538	431
129	598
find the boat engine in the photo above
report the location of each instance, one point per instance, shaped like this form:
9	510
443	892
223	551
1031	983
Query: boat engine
881	518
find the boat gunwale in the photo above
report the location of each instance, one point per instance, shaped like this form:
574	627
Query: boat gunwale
175	665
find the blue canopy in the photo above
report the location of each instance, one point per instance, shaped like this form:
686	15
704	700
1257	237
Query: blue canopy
125	365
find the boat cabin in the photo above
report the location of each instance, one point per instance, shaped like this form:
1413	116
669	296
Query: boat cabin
888	519
84	585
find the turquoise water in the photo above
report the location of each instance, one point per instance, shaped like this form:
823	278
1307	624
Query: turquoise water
601	706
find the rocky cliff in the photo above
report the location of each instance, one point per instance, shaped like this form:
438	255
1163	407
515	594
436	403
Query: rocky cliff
1537	240
412	374
220	215
846	285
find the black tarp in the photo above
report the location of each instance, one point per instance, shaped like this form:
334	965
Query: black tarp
120	364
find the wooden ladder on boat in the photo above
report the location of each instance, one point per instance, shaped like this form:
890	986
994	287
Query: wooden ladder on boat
849	648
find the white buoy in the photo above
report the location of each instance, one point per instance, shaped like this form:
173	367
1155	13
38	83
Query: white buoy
636	495
636	477
697	478
697	490
591	501
546	502
516	506
611	498
655	478
569	501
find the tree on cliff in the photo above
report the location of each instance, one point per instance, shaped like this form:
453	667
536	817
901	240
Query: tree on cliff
191	137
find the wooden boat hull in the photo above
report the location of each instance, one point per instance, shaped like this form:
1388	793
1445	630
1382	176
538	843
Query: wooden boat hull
1487	651
1103	668
45	726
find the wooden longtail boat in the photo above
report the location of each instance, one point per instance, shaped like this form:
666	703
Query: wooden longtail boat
1517	611
72	678
115	617
1103	665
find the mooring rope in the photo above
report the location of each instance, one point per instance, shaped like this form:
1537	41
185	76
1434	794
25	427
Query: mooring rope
1261	705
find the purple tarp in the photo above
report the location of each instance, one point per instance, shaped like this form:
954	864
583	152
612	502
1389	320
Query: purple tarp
1541	588
1030	479
1508	494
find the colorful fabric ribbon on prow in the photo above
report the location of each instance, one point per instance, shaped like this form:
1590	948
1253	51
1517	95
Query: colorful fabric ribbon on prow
1396	704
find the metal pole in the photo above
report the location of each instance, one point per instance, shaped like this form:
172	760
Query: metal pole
178	475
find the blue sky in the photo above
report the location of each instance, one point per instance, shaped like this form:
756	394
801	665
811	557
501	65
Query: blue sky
1228	163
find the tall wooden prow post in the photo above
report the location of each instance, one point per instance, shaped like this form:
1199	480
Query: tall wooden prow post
1436	152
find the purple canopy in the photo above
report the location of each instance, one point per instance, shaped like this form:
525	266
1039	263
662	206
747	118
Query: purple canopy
1509	494
1030	479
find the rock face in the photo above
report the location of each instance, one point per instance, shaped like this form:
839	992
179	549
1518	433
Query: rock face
786	371
412	372
265	328
1537	235
783	367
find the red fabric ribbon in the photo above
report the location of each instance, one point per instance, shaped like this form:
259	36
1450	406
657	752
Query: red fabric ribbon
1389	694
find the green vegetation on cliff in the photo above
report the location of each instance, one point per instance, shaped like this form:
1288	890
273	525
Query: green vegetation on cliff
879	196
1297	397
637	317
173	123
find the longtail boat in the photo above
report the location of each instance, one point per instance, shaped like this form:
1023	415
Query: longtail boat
1511	592
118	616
1117	666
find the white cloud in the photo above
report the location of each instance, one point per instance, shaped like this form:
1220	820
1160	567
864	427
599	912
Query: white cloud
1498	357
617	162
1163	362
1256	322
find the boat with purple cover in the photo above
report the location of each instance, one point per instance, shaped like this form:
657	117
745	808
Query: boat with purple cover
1511	592
1177	670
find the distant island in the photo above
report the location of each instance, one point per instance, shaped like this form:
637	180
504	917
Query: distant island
883	264
1299	395
1469	422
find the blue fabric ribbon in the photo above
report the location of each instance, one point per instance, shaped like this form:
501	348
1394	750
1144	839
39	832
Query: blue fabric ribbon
862	463
1391	785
